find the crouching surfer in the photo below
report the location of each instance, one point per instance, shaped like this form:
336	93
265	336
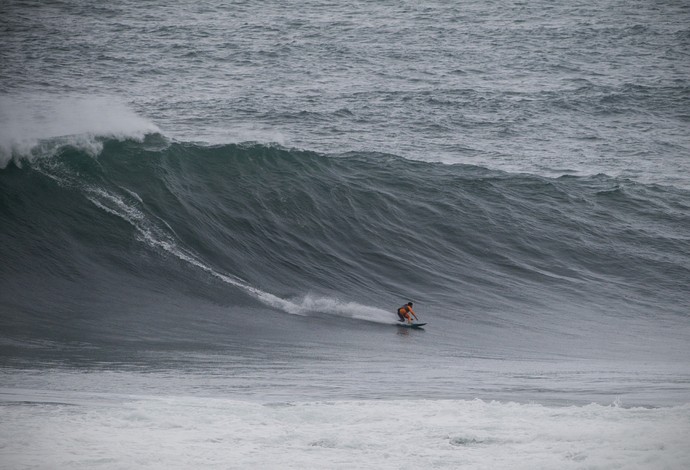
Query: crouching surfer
405	311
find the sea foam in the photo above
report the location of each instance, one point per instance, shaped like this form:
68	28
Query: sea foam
70	430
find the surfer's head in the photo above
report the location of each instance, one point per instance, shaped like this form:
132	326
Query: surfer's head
409	303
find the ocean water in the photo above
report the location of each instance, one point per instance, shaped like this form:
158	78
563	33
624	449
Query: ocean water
209	213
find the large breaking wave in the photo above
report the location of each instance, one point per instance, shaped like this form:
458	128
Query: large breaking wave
99	240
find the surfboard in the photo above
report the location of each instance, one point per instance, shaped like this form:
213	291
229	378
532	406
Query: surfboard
413	325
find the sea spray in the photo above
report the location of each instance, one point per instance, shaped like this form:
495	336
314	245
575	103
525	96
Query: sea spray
34	126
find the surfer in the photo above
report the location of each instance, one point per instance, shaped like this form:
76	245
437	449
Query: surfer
405	311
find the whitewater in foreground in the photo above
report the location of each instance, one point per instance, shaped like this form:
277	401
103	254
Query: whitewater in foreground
75	430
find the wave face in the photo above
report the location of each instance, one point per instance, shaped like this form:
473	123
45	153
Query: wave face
152	239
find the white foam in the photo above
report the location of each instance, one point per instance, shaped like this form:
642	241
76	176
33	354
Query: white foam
125	207
33	126
108	431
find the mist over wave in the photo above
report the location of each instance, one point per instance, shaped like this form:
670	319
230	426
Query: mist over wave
37	125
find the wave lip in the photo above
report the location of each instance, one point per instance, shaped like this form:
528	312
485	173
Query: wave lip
38	126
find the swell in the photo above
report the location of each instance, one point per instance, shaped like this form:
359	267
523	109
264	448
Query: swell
152	232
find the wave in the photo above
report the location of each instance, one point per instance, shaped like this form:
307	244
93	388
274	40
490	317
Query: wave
250	226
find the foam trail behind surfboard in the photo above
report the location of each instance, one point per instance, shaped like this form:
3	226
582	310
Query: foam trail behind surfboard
331	306
126	207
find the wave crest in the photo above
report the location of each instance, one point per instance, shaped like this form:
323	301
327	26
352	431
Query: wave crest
38	126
